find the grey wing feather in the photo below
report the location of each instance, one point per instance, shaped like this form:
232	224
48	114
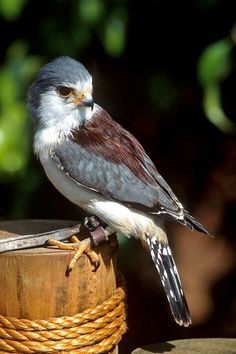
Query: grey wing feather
148	164
182	215
114	181
117	182
166	190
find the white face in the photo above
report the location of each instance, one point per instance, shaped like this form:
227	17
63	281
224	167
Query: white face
61	109
63	105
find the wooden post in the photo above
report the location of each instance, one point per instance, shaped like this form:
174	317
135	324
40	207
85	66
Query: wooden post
33	281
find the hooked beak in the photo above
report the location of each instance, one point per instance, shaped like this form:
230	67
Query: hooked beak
84	100
87	101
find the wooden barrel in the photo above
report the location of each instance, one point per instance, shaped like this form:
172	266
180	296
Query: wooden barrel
34	284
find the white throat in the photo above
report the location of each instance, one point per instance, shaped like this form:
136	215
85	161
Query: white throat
57	119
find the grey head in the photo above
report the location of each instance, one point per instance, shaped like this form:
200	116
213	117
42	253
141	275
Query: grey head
62	70
62	88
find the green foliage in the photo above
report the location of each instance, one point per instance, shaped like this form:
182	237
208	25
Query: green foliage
14	125
115	32
109	23
89	18
11	9
75	28
89	21
215	62
214	65
91	11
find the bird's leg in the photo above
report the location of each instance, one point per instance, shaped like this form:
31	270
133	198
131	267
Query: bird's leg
82	247
98	235
92	223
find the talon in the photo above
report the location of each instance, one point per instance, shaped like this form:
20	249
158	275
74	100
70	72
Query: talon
98	235
59	244
80	247
74	239
94	259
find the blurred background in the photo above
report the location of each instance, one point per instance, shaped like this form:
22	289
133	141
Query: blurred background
166	71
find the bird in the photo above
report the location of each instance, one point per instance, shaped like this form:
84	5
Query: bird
101	167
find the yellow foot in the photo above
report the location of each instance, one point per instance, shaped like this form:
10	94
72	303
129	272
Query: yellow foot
80	247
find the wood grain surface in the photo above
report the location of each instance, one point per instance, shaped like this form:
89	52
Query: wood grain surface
34	284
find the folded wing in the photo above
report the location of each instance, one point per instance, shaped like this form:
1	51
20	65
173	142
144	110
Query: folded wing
103	156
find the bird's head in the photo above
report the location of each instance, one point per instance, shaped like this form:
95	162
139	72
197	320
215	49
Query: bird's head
61	95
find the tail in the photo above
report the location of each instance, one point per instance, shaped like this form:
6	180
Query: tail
184	218
165	264
193	224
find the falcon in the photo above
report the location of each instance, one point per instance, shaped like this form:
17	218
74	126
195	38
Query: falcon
99	166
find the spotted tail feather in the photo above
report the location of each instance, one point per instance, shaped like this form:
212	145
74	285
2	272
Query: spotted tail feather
165	264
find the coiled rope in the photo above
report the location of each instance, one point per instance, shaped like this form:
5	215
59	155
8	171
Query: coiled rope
96	330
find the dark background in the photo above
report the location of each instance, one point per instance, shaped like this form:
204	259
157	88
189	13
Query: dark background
151	74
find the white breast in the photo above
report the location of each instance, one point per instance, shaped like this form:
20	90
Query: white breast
73	191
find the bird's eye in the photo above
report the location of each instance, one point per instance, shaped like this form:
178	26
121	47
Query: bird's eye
64	91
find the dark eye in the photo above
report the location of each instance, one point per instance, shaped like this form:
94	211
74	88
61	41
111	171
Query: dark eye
64	91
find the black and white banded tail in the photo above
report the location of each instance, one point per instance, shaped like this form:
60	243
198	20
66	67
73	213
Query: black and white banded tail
165	264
